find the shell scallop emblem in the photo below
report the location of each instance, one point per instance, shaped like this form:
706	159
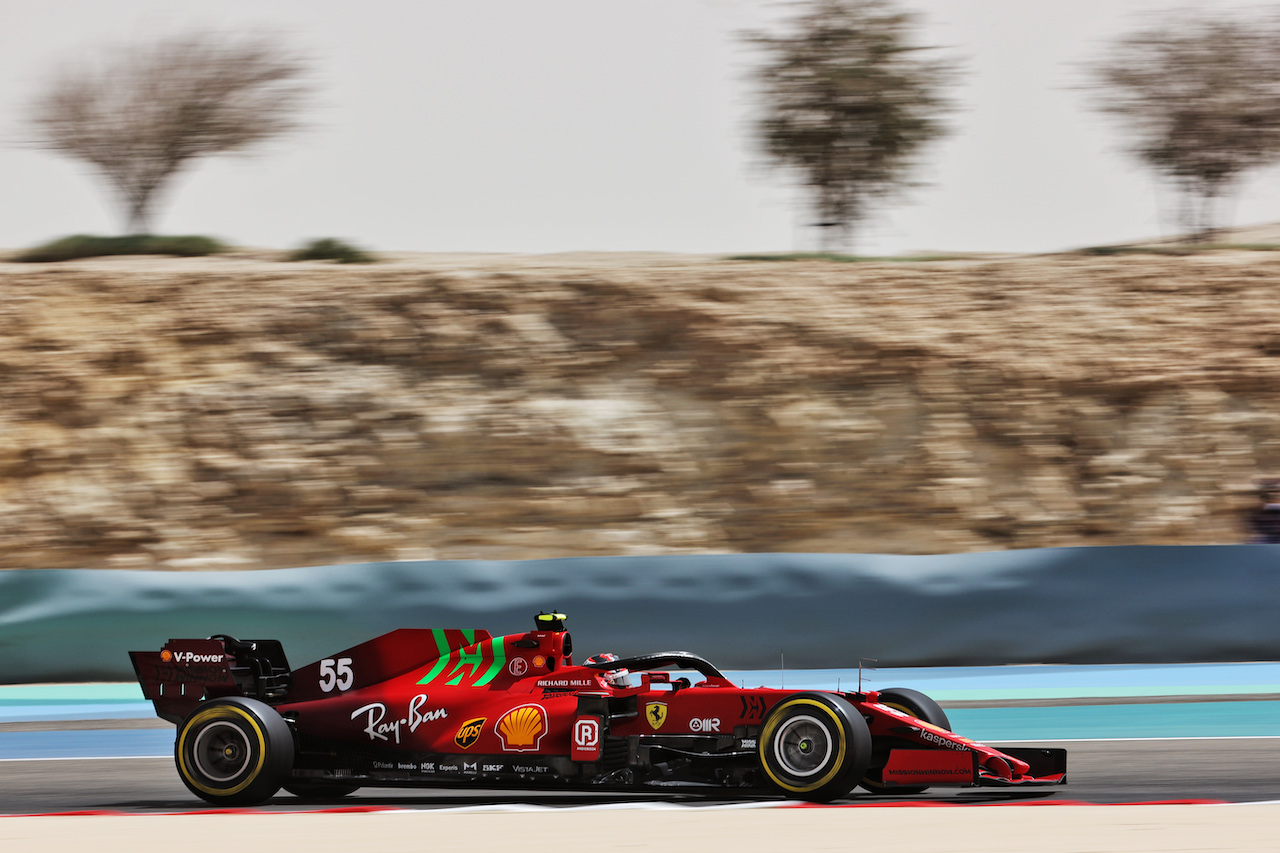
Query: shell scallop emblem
521	729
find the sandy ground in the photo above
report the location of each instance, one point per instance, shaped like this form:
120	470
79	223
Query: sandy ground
1044	829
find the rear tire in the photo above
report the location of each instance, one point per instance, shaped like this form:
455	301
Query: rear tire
814	746
234	751
921	707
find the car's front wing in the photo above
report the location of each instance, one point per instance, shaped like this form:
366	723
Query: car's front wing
985	767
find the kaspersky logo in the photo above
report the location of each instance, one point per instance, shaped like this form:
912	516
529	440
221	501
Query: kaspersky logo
469	732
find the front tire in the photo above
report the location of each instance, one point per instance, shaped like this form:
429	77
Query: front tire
814	746
921	707
234	751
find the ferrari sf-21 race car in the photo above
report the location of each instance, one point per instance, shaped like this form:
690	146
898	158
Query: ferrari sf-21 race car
456	708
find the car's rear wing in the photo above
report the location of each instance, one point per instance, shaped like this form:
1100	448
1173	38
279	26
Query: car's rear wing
186	672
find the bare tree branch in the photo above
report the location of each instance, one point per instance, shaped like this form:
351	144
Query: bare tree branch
143	114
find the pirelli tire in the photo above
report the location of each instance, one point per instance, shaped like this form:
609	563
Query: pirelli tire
234	751
814	746
921	707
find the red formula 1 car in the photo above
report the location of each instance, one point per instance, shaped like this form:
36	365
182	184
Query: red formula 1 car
418	708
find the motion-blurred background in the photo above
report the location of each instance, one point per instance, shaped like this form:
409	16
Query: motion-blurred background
852	353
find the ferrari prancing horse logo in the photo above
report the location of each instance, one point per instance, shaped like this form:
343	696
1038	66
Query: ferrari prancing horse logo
656	714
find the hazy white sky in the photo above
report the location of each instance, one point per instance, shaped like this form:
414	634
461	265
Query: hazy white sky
570	125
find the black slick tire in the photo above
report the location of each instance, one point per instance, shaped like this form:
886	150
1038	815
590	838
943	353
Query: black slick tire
234	751
814	746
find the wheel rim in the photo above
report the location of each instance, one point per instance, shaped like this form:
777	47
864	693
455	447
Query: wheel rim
802	746
221	751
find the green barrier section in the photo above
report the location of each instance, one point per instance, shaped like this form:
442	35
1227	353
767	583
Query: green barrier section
1059	605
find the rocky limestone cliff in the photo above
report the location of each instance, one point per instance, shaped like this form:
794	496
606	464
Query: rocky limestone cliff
238	413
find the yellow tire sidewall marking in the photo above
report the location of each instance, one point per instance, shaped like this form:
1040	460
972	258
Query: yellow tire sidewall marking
766	738
220	712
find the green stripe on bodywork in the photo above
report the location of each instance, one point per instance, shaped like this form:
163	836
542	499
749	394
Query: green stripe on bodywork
499	645
442	646
471	659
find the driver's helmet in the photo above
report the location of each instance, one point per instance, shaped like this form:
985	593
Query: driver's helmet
615	677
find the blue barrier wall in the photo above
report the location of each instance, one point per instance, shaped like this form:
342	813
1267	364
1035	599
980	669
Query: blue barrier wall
1057	605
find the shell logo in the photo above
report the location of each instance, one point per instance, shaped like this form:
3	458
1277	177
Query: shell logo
521	729
166	655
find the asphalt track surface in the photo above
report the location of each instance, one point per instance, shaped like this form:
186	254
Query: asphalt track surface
1226	770
1123	753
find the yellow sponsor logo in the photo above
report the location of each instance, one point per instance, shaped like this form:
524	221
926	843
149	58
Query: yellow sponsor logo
521	729
469	732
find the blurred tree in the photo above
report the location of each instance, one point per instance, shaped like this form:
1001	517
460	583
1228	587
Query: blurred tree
145	113
1199	98
847	102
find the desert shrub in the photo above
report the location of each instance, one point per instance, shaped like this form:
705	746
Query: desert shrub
330	249
1108	251
1179	249
89	246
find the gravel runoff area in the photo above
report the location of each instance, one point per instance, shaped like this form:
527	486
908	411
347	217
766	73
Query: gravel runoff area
994	829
